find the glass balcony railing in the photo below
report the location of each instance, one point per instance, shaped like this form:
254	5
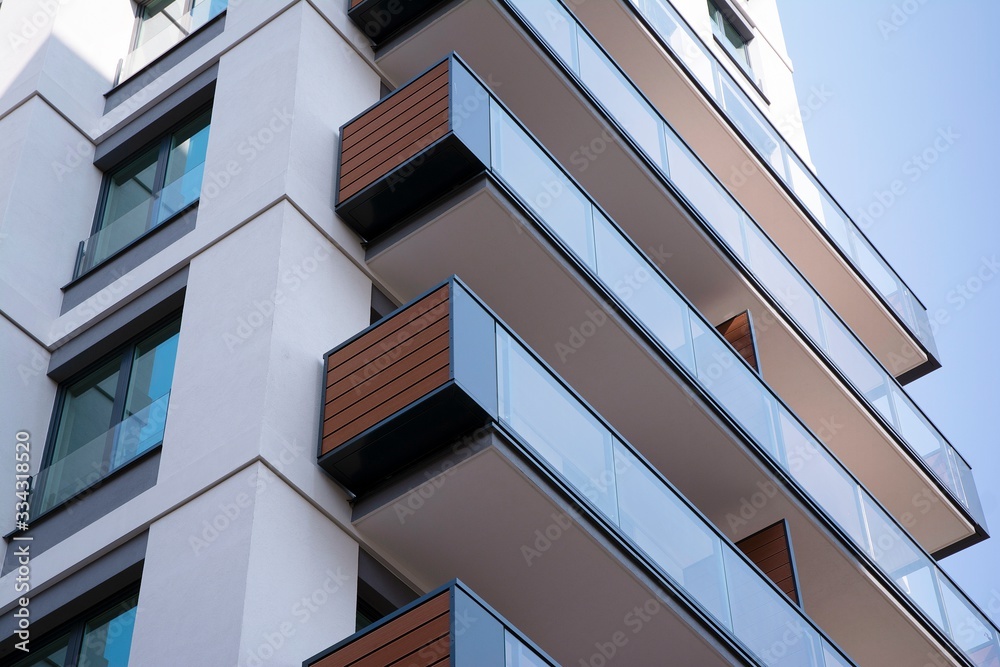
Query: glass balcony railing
718	84
162	28
654	137
684	336
683	546
95	460
146	216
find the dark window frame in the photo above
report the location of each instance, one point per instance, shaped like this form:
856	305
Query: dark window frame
127	353
720	20
162	143
76	628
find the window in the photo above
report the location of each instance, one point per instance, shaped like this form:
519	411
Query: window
107	417
100	639
148	190
164	23
732	38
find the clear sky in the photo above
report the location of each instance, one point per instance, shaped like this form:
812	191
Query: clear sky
916	99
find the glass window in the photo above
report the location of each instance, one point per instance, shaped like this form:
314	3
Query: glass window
109	416
149	189
730	37
102	639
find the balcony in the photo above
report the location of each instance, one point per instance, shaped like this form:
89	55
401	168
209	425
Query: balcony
726	126
618	137
162	29
525	236
444	368
448	626
92	462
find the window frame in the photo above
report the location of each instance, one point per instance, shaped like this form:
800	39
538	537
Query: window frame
162	143
719	34
139	10
76	627
127	353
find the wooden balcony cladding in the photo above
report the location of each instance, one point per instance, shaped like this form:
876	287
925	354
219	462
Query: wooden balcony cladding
771	550
394	131
739	332
394	364
418	638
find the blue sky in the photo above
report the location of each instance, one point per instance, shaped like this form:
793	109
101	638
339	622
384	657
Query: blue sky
915	101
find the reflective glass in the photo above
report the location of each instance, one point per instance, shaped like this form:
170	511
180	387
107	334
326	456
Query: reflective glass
52	654
545	189
629	276
765	621
556	426
676	539
185	168
107	639
126	212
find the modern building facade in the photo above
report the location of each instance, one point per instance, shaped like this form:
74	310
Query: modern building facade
466	332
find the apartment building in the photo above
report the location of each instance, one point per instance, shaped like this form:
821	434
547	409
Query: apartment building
466	332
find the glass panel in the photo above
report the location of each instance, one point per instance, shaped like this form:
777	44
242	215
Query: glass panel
152	369
163	24
556	27
185	167
622	100
738	388
544	188
765	621
107	638
126	212
968	627
628	275
822	476
87	410
159	18
832	657
89	463
655	519
721	86
52	654
783	282
517	654
556	426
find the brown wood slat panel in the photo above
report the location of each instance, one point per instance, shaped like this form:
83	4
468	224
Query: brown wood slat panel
739	332
348	431
416	649
435	303
390	130
413	356
355	3
340	412
438	130
762	537
771	550
363	125
419	132
415	334
417	617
